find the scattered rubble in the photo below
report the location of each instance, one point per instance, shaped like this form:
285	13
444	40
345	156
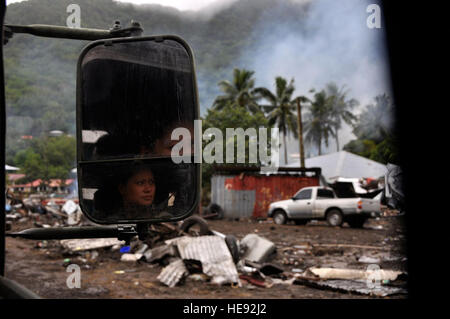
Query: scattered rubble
214	255
256	248
354	286
130	257
354	274
173	273
36	207
160	252
210	257
369	260
74	245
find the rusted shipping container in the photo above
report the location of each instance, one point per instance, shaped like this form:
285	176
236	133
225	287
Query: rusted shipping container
244	194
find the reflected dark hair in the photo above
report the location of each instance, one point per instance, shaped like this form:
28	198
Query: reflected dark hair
111	146
118	90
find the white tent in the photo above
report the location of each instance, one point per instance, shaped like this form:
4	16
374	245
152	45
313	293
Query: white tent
344	164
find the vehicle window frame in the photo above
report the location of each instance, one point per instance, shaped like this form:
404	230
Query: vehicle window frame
324	190
302	192
79	107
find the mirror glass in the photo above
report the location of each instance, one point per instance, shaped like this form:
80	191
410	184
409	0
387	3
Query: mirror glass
132	93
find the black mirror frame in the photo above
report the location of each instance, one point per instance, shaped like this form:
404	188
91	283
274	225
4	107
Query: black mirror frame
79	95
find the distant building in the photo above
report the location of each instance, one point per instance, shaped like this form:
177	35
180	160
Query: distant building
247	192
344	164
13	178
54	186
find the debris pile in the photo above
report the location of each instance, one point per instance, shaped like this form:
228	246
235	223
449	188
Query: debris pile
43	210
211	257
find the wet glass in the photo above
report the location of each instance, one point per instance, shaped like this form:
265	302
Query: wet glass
131	96
303	194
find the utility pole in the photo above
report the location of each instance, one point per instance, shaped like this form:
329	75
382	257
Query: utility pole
300	134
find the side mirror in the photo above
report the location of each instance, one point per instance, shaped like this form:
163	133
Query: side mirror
293	198
131	94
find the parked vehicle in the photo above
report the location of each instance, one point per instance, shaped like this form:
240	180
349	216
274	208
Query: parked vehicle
321	203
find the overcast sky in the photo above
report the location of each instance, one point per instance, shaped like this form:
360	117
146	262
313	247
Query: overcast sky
179	4
340	48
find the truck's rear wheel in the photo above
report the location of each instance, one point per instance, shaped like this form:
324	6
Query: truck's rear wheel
279	217
334	218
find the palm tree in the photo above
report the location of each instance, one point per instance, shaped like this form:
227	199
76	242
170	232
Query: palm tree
281	110
319	121
238	92
341	107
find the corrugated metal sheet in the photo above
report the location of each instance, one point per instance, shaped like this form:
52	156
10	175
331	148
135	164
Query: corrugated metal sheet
173	272
236	204
243	196
218	189
213	253
239	203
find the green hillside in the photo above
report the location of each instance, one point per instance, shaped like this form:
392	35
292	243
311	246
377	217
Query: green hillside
40	72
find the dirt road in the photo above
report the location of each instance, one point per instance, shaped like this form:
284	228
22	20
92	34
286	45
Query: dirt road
43	270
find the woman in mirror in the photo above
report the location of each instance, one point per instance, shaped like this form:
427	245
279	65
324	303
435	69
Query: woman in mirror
138	189
134	194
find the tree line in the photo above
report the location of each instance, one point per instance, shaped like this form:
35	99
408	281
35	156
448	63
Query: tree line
47	157
246	106
325	114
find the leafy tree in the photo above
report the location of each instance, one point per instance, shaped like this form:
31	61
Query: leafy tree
387	151
361	147
229	117
281	110
320	122
47	158
31	164
341	107
375	122
238	92
376	138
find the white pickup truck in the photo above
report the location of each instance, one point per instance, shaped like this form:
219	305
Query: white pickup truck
321	203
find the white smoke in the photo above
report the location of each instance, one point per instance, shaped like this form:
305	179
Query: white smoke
334	44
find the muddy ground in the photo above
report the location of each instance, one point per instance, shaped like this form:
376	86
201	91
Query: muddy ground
40	266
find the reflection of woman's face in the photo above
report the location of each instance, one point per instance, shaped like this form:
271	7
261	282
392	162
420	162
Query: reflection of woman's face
139	189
